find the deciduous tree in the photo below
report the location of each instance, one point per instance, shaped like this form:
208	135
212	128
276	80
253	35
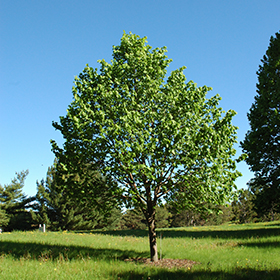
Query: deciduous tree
159	137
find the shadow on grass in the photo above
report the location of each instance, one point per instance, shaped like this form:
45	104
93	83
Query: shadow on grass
266	244
238	274
39	251
48	252
224	234
273	224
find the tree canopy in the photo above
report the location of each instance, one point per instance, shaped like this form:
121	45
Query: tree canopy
262	141
158	137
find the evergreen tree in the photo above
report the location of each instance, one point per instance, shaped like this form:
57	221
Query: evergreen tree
58	211
14	204
214	215
243	208
221	214
133	219
184	217
266	208
111	221
262	141
40	207
4	219
162	216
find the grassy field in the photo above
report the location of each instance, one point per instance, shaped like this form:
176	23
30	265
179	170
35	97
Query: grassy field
223	252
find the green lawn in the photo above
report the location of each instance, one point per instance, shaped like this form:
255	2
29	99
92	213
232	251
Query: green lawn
224	252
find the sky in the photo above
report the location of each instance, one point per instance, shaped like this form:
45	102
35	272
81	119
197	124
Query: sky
45	44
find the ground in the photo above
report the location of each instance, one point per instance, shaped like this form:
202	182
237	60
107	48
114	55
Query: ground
166	263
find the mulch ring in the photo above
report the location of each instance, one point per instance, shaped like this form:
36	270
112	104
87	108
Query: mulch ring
165	263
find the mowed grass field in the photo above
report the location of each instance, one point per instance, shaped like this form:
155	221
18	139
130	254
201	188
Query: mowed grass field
250	251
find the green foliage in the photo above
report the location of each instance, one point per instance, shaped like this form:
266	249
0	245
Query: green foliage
221	214
261	142
82	180
218	215
133	219
266	209
170	217
162	216
4	219
111	221
158	137
184	218
244	208
58	211
14	204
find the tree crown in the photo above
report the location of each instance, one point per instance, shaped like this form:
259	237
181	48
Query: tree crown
157	136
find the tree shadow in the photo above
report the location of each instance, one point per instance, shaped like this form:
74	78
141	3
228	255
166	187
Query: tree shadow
273	224
44	252
219	234
266	244
237	274
49	252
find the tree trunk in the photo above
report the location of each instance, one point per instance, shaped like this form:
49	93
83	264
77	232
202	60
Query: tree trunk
153	242
152	232
149	212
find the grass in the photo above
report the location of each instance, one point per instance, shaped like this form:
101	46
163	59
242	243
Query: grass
224	252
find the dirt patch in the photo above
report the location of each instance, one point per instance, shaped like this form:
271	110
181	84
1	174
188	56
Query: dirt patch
165	263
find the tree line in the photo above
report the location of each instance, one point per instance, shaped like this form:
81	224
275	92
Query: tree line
53	207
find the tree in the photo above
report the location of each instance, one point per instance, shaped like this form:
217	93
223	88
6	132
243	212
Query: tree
59	211
162	217
133	219
212	215
4	219
184	218
159	138
243	207
14	204
111	221
262	141
265	205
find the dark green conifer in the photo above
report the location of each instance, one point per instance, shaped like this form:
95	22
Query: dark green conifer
262	141
55	209
14	204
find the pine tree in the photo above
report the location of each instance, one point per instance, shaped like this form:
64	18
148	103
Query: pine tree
55	209
14	204
133	219
112	221
4	219
40	215
162	216
262	141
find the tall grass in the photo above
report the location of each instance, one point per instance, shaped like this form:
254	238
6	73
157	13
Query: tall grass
223	252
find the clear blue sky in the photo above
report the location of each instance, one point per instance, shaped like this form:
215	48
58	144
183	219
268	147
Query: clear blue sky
44	44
